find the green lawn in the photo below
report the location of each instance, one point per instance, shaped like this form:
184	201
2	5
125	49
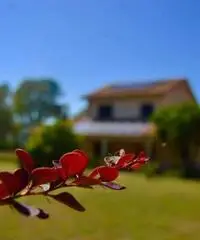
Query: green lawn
8	161
149	209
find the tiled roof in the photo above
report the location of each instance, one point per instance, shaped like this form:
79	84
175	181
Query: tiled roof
159	87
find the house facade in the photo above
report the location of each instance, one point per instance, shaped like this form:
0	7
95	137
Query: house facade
118	115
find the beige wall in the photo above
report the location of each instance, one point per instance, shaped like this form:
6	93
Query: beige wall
179	94
130	107
126	108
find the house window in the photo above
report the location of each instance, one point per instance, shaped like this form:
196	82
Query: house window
146	111
105	112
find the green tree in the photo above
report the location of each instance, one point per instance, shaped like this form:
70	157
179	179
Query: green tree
36	100
49	142
179	127
5	95
6	116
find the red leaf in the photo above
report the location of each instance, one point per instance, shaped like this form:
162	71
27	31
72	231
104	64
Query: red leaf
14	182
3	191
73	163
44	175
61	173
124	160
82	153
106	174
21	179
142	155
10	181
95	172
87	181
26	159
142	158
129	163
135	165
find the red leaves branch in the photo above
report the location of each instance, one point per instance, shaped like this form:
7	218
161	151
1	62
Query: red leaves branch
67	172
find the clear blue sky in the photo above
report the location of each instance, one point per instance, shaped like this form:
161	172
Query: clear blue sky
85	44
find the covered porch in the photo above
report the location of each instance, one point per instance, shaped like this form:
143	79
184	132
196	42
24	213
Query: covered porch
102	146
102	138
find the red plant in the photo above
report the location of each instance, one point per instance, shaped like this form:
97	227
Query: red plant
126	161
68	171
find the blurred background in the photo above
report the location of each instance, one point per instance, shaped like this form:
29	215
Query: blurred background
102	76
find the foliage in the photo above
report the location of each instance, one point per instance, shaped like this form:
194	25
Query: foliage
4	95
67	172
179	127
94	161
6	117
48	142
36	100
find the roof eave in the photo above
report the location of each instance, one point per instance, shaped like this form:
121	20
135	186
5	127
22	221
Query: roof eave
97	97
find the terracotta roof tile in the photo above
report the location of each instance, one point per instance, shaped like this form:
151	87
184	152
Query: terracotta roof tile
159	87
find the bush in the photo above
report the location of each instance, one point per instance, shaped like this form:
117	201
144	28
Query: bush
178	126
95	161
157	169
7	145
4	145
49	142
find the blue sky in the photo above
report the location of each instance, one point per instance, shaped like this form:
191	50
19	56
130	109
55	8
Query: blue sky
86	44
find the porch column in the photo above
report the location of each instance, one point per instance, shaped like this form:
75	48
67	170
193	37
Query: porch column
104	147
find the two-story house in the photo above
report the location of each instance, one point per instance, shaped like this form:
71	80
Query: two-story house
118	115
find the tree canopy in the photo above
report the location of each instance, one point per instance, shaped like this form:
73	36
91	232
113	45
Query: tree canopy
36	100
6	117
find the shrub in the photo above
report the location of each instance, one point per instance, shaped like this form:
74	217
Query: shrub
49	142
178	126
95	161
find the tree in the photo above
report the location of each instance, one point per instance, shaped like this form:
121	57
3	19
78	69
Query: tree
4	95
179	127
36	100
6	116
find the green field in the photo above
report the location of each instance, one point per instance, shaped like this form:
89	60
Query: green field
149	209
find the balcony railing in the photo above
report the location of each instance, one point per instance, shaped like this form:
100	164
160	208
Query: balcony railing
114	119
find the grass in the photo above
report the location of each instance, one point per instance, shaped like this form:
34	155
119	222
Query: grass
7	160
157	209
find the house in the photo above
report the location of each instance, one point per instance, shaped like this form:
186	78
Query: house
118	114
